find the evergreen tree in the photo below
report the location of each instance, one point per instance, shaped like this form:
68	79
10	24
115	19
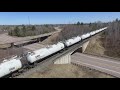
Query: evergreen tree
78	23
16	30
116	20
33	28
81	23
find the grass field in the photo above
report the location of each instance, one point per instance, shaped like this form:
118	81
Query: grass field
68	71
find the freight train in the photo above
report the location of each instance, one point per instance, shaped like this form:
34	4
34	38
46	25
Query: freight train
15	63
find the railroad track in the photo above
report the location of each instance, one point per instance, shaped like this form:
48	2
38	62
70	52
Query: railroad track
49	60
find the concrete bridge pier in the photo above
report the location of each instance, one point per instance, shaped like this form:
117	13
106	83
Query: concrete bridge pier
66	59
84	46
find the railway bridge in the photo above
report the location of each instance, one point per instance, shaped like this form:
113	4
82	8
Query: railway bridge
106	65
81	46
63	57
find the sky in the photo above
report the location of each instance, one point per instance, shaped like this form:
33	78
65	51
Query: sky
17	18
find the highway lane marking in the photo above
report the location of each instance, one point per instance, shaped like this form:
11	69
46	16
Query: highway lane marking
116	62
99	67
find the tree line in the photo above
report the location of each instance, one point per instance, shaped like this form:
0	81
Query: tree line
72	30
111	40
30	30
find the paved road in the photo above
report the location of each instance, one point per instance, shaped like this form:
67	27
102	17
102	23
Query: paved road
106	65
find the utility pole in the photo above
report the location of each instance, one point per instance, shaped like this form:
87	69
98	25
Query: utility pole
29	20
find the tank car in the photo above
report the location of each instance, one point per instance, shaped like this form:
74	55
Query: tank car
72	41
84	36
44	52
9	66
103	28
92	33
97	31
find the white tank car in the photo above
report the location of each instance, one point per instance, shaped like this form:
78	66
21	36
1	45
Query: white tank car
9	66
97	31
104	28
84	36
92	33
100	30
72	41
44	52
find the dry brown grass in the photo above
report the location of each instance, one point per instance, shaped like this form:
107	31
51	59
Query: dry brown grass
4	45
95	46
68	71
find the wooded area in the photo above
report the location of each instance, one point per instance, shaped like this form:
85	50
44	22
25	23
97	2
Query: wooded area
72	30
30	30
111	40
